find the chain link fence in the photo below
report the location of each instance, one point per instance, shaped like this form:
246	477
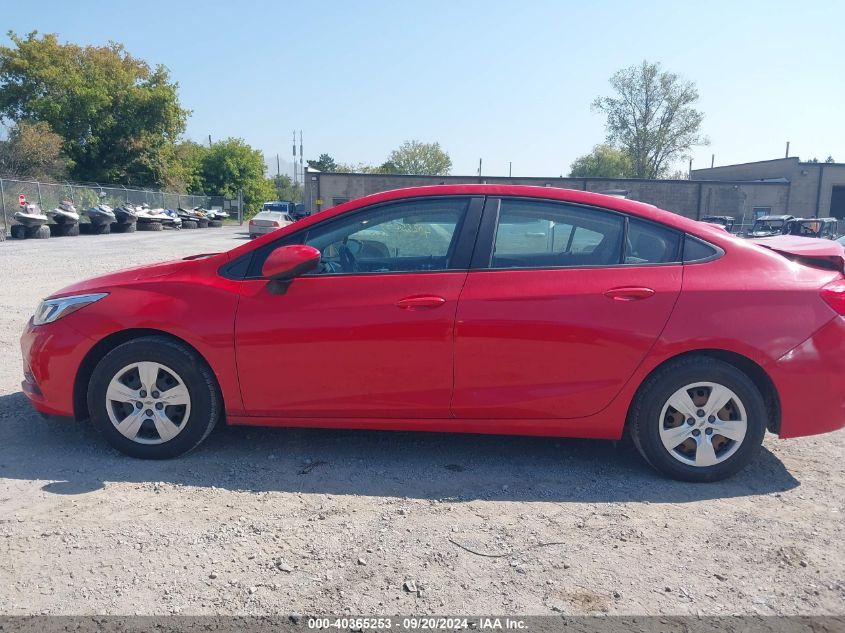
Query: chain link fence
49	195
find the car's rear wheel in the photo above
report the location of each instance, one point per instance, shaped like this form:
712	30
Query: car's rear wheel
153	398
698	419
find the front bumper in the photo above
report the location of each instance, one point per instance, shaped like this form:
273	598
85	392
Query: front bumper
810	380
52	355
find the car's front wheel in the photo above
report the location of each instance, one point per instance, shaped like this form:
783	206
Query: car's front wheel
153	398
698	419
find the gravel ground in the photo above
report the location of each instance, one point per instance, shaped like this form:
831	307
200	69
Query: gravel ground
282	521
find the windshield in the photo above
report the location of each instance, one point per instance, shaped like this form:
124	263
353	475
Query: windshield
276	206
768	225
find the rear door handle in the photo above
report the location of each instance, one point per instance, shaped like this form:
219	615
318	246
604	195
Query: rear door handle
629	293
420	302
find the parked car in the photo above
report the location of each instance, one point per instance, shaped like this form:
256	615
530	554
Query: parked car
821	228
769	225
725	221
285	206
299	211
463	308
267	222
841	240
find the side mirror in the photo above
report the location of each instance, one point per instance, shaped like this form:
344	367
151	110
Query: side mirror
286	263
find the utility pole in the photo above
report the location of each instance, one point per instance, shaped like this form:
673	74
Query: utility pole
712	160
689	173
479	168
209	140
294	158
278	167
787	150
510	168
301	168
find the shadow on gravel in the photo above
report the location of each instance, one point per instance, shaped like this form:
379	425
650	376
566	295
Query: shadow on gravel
76	460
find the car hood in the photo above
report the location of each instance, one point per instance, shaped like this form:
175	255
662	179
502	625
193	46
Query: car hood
126	276
807	249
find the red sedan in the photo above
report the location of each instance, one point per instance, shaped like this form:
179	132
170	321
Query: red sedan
467	308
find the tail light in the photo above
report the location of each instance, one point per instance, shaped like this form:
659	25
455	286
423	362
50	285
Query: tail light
834	294
276	224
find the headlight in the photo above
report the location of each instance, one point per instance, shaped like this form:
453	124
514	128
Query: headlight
51	310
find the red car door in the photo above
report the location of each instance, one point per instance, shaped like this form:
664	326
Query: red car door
566	304
371	333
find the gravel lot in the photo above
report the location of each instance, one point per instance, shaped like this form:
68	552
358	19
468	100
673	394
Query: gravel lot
310	521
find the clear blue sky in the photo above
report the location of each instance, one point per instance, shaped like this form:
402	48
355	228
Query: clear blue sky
504	81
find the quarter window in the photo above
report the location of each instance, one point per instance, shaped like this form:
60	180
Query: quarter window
651	243
536	234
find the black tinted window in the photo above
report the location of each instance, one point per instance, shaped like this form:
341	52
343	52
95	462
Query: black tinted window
651	243
695	250
539	234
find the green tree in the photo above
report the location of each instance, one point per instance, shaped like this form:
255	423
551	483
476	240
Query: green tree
324	163
413	157
605	161
652	117
829	159
185	172
32	150
286	189
117	116
230	166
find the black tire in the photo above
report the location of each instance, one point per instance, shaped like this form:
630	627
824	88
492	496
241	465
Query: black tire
189	224
644	418
215	224
129	227
202	223
151	226
38	232
69	230
206	402
55	229
17	231
101	229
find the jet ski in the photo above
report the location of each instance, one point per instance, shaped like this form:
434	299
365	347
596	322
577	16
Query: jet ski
151	219
101	218
197	215
31	223
216	214
64	214
126	214
173	221
31	216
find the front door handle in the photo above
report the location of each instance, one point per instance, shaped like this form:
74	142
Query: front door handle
629	293
420	302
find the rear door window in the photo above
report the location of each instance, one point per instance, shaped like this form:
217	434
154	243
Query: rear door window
544	234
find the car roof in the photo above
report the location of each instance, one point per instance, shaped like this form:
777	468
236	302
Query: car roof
775	217
828	220
639	209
